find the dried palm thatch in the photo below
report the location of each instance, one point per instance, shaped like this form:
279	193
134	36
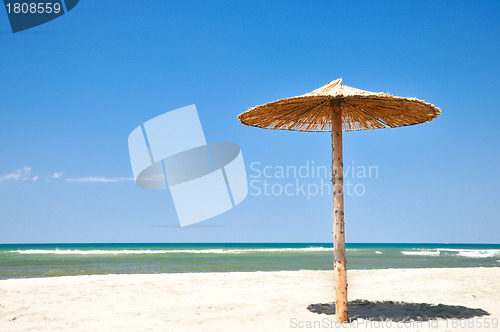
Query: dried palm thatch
360	110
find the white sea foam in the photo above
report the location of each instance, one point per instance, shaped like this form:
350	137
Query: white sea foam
279	250
158	251
479	253
473	253
111	252
421	253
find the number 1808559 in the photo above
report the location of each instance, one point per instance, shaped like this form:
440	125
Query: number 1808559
33	8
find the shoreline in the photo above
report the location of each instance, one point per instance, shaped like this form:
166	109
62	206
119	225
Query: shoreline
258	271
225	301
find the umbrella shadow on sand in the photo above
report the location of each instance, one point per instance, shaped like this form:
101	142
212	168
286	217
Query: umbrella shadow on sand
399	311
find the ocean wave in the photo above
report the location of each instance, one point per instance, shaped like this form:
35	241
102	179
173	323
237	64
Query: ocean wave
280	250
378	252
110	252
421	253
471	253
159	251
475	253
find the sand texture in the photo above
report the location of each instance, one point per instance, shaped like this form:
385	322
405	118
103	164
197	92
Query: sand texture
253	301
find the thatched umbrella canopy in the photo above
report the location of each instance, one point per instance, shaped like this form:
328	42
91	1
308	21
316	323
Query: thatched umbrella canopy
335	108
360	110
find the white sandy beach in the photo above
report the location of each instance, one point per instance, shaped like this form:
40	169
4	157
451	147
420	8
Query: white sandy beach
243	301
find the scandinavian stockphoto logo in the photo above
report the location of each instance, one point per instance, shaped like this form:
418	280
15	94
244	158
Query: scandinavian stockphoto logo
205	180
26	14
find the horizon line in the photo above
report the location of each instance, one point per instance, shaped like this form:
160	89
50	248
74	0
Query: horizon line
55	243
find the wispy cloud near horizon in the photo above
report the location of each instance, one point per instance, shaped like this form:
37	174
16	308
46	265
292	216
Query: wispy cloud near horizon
20	174
56	175
99	179
25	173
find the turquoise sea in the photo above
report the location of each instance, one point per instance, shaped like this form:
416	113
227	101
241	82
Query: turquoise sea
47	260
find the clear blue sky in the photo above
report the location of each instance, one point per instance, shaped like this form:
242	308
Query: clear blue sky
73	89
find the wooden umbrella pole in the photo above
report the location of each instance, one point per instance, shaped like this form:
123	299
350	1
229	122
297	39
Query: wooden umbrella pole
338	214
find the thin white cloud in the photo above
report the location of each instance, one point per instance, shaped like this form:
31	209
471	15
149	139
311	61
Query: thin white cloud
20	174
56	175
25	173
99	179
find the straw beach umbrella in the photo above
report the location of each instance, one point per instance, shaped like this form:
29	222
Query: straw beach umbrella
335	108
